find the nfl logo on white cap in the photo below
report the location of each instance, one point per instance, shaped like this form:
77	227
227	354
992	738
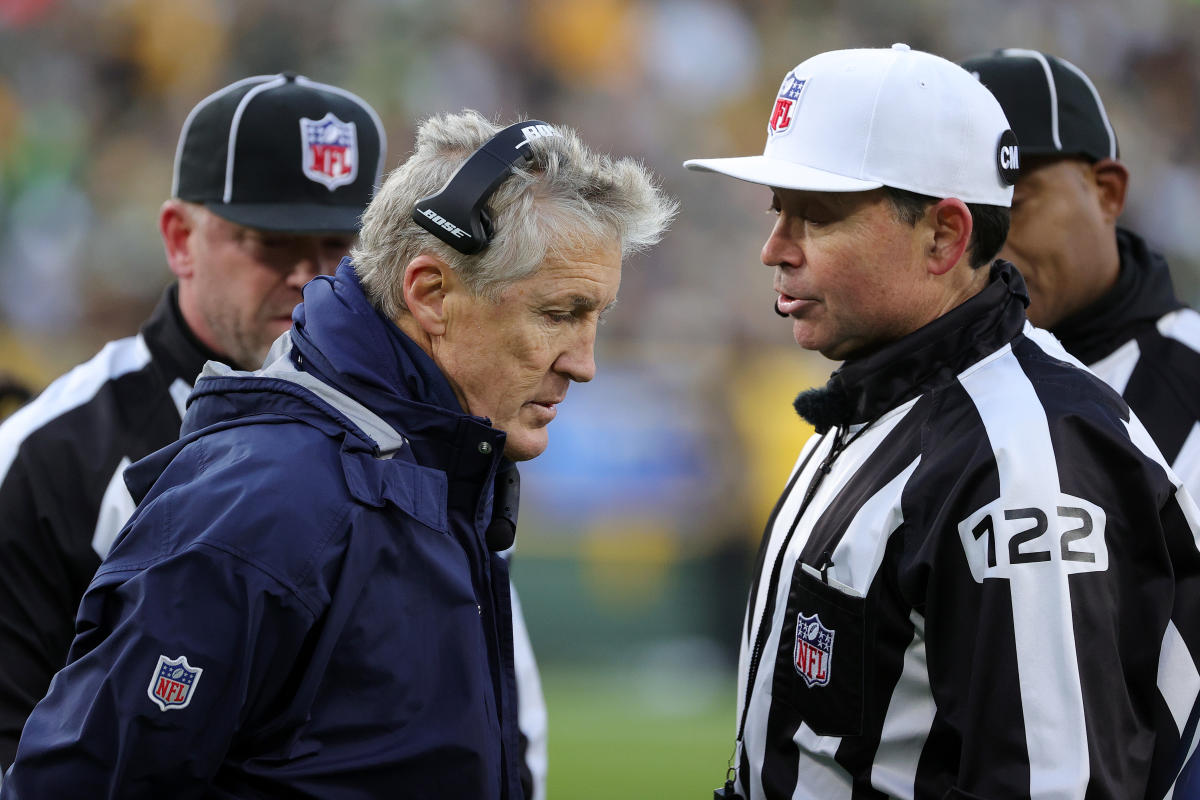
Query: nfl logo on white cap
784	112
856	120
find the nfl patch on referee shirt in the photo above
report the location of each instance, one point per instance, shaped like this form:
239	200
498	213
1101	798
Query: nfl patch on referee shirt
173	682
814	650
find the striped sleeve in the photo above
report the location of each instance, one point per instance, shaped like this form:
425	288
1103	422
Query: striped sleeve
1178	672
1076	538
1023	549
1158	374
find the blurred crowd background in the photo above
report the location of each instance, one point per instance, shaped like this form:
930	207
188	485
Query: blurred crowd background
639	524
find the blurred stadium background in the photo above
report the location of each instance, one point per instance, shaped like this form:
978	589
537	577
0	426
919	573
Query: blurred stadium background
638	525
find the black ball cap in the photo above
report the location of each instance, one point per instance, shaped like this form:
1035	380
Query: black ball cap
1053	107
282	153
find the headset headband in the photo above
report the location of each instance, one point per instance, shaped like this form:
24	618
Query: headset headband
458	214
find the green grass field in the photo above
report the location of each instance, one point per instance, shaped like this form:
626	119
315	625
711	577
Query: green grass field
637	734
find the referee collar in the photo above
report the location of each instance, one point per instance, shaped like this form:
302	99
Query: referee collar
932	356
1143	293
171	341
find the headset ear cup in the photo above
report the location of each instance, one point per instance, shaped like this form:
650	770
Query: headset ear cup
458	214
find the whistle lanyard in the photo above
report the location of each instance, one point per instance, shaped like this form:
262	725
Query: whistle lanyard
840	443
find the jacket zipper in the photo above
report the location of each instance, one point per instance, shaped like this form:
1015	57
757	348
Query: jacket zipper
839	444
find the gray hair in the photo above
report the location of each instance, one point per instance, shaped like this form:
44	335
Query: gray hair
566	195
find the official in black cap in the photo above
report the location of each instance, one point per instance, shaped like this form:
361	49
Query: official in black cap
1097	286
1072	186
271	176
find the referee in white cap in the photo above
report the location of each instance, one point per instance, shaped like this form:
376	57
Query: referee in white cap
951	599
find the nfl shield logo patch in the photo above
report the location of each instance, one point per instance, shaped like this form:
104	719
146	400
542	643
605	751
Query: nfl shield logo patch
784	112
173	683
814	650
329	150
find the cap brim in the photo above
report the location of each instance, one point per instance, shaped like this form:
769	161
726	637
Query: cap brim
291	218
780	174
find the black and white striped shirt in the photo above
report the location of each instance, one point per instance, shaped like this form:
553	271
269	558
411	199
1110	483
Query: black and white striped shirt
1145	344
979	583
62	496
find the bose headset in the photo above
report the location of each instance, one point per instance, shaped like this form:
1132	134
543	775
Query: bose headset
458	214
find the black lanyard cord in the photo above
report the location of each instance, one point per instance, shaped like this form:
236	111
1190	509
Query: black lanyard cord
840	443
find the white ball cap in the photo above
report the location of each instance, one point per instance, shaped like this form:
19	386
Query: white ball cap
854	120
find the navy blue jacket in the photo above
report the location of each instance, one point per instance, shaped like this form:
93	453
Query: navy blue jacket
313	546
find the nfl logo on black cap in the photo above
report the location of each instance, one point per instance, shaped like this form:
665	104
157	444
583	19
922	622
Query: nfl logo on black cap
282	153
330	150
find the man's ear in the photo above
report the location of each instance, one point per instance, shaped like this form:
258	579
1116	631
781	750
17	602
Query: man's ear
426	283
951	227
176	224
1112	179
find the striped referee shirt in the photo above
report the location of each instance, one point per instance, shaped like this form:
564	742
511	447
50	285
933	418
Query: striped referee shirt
980	582
62	496
1145	344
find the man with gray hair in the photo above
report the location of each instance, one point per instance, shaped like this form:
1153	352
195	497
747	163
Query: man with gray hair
309	599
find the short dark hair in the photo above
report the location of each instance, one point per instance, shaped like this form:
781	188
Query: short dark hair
987	235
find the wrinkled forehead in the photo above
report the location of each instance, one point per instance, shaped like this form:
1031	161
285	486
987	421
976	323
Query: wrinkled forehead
589	268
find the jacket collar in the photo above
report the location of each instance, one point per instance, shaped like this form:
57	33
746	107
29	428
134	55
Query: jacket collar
345	368
351	345
863	389
1143	293
172	342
